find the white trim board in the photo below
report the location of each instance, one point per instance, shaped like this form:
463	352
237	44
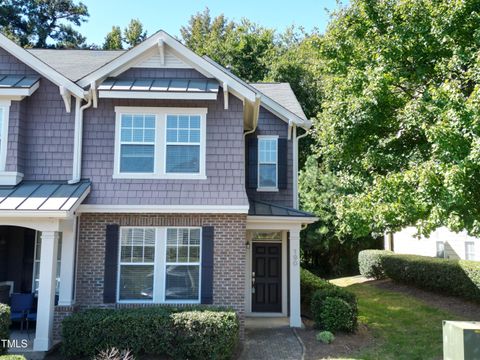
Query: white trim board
164	209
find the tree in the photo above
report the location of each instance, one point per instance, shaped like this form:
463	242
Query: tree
245	48
113	40
43	23
133	33
400	120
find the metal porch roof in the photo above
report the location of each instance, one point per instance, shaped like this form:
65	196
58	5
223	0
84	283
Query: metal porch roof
18	81
43	197
261	208
161	85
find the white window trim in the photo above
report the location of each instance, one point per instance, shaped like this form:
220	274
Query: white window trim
159	267
160	142
466	246
5	106
267	188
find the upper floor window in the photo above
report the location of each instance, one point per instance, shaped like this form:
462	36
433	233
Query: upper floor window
267	162
469	250
160	143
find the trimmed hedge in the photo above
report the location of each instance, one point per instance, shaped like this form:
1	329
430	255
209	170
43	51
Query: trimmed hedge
309	283
342	316
370	263
4	325
452	277
181	333
12	357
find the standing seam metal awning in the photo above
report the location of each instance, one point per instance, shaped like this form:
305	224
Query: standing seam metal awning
20	85
206	89
42	198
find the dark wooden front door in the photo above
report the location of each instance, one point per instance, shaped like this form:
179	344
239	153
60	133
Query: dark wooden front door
267	277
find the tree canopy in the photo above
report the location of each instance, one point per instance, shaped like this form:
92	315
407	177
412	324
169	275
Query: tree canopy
399	126
132	35
40	23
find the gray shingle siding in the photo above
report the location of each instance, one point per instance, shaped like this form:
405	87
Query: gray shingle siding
269	124
135	73
10	65
225	184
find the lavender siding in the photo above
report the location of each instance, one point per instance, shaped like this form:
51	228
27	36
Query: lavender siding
225	183
269	124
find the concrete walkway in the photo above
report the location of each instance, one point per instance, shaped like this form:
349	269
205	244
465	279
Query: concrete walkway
270	339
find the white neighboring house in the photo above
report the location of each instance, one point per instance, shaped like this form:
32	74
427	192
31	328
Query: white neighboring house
442	243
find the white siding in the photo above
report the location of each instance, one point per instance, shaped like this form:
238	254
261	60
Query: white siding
405	242
171	61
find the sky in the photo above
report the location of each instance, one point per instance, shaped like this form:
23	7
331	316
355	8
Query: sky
171	15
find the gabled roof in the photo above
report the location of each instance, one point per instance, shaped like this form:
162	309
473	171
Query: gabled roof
39	66
66	62
282	94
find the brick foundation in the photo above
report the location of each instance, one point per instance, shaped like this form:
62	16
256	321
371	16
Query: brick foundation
229	254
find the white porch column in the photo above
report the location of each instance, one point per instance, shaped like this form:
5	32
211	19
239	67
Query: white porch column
67	267
295	318
46	291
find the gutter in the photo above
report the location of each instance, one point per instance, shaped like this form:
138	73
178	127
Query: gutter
78	137
295	165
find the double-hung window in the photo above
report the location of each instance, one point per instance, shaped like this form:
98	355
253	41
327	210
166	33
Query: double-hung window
469	250
36	263
267	163
160	143
159	264
137	264
137	143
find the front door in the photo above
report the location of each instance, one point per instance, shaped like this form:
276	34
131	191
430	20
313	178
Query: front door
267	277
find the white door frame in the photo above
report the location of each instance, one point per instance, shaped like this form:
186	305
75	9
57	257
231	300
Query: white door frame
248	277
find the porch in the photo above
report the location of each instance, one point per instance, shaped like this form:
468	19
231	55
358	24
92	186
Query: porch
272	281
37	258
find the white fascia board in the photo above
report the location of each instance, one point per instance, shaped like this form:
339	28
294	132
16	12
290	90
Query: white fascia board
17	92
165	209
109	94
178	48
34	213
39	66
281	219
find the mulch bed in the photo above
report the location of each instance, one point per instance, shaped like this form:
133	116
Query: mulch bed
462	308
343	346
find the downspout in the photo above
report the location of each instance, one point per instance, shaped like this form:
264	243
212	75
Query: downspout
256	111
78	138
295	165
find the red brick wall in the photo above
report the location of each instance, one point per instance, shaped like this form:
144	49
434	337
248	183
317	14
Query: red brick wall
61	312
229	253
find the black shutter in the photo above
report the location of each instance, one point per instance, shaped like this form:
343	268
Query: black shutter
111	263
282	163
207	265
252	162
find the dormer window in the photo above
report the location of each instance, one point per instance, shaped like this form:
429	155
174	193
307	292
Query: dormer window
162	143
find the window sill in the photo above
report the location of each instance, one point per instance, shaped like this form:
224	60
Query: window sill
133	176
267	189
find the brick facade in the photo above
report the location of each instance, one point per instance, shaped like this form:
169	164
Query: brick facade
229	254
61	312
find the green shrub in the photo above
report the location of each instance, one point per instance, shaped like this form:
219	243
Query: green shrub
12	357
309	283
337	315
161	330
4	325
198	336
325	336
452	277
370	263
321	313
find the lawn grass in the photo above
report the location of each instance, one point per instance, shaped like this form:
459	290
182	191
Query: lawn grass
403	327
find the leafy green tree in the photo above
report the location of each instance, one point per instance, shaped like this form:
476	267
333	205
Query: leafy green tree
43	23
134	33
113	40
245	48
400	120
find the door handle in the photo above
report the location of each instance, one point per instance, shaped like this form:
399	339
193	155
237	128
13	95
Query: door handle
253	278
